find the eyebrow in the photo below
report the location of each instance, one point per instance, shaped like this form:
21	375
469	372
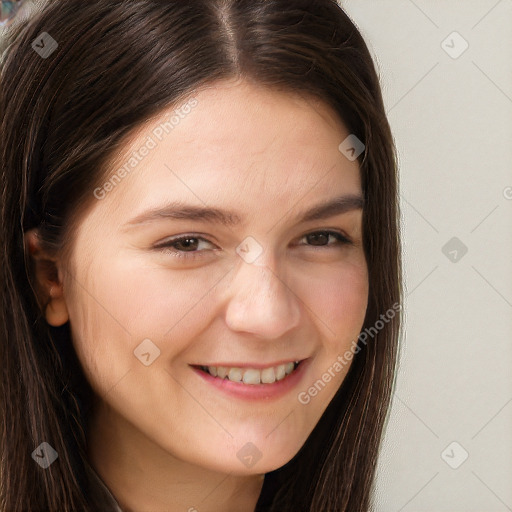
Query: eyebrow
178	210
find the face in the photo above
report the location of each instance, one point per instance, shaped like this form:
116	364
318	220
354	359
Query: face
155	289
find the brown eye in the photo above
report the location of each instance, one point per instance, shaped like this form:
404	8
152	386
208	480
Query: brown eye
321	238
187	246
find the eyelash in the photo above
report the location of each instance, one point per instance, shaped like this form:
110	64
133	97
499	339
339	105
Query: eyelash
165	247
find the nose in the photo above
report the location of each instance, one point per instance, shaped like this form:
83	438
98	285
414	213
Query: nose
260	302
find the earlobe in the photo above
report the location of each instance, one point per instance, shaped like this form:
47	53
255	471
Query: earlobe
48	285
56	311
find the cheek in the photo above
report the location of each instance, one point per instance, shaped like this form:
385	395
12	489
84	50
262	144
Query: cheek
102	340
161	303
337	300
124	302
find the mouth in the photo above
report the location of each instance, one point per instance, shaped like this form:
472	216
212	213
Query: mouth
251	376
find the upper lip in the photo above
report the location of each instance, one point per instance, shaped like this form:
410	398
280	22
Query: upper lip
253	365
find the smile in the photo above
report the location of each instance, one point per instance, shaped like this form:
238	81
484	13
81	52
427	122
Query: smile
264	383
252	376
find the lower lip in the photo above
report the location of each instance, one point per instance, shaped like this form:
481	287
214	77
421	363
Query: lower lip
257	391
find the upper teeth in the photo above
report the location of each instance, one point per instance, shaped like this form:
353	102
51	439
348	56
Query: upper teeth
252	375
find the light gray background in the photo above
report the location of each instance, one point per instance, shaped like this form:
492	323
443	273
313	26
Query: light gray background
452	121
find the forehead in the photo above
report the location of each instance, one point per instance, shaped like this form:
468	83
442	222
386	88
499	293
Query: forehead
240	144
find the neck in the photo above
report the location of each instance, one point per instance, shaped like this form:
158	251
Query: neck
142	476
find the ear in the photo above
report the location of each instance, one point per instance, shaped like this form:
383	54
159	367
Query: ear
49	286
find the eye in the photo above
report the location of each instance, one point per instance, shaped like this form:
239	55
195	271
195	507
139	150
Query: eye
321	239
184	246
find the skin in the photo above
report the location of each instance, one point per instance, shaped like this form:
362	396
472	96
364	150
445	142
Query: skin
163	439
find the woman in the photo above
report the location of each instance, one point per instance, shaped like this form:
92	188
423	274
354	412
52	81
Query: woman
201	258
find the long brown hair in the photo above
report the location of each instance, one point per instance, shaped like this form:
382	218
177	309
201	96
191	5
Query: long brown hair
63	115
